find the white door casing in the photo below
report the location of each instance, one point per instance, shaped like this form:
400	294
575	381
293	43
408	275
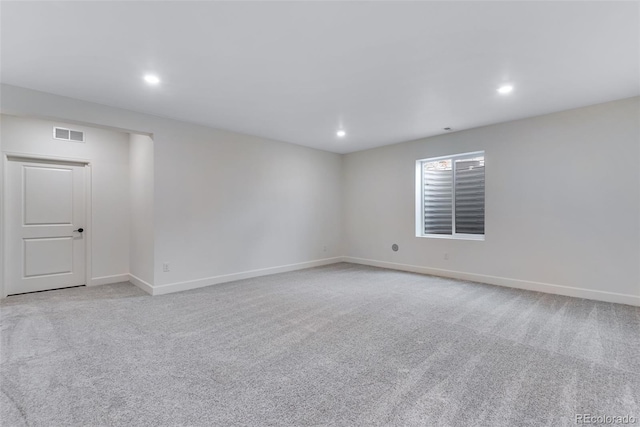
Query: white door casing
45	206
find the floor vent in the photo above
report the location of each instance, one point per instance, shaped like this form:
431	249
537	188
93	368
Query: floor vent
68	134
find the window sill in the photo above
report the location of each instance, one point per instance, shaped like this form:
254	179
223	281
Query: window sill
453	237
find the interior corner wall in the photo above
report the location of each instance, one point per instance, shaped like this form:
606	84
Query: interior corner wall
562	200
141	191
108	152
226	205
229	204
562	204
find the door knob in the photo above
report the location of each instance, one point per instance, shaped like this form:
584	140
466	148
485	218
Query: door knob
79	230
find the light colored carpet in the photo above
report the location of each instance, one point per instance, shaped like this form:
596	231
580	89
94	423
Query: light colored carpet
341	345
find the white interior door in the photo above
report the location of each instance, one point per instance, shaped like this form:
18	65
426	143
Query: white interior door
45	221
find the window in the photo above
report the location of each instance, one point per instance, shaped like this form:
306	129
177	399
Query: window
450	196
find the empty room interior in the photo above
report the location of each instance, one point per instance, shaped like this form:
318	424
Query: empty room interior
271	213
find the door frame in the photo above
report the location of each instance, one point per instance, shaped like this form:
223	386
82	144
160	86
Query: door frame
27	157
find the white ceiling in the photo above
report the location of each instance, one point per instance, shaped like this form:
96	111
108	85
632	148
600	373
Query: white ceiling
297	71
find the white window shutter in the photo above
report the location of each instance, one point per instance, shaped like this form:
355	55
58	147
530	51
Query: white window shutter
438	185
469	196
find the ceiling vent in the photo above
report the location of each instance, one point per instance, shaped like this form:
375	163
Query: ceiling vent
68	134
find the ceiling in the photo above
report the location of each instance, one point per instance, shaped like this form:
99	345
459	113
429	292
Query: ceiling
385	72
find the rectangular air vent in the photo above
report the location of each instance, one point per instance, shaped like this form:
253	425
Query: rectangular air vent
68	134
76	135
59	133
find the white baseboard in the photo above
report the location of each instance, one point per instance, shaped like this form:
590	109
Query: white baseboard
503	281
140	283
200	283
107	280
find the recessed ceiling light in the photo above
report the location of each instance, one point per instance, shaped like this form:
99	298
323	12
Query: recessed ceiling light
341	133
505	89
151	79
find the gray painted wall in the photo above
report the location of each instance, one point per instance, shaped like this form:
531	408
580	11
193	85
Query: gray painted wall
109	154
141	191
224	203
562	202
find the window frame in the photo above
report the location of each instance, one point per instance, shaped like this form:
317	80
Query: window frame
419	197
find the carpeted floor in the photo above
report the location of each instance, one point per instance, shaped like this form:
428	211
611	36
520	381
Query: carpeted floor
341	345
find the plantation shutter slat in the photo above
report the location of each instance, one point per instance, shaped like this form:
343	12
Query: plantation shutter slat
469	196
438	200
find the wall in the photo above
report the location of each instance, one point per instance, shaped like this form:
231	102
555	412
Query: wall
562	204
226	205
234	204
109	155
562	201
141	190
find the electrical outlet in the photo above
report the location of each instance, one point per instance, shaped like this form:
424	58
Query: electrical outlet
324	249
446	256
165	267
